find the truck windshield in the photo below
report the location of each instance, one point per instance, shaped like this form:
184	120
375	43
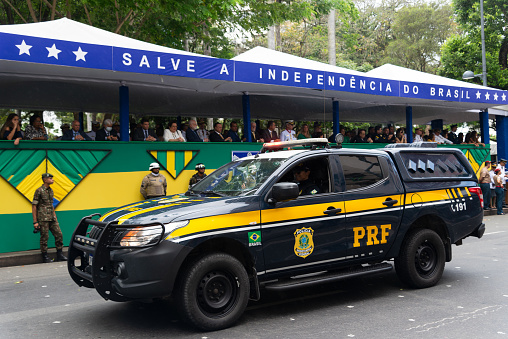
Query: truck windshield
241	177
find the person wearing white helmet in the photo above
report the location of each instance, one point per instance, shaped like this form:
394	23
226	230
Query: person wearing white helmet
154	184
200	175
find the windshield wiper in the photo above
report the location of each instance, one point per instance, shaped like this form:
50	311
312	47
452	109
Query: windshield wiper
211	193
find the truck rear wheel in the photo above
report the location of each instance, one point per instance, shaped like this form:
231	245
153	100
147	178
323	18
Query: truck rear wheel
213	292
422	259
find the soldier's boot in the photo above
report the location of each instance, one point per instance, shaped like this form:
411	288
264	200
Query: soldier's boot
45	258
60	256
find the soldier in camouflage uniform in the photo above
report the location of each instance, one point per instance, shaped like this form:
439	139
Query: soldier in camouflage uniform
45	220
154	184
198	176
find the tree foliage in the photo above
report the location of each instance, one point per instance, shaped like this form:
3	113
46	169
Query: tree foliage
417	33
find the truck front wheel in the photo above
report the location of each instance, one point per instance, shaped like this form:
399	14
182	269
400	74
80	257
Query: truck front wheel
421	261
213	292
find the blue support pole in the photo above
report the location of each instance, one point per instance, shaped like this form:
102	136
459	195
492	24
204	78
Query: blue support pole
502	137
246	116
484	127
124	113
80	118
336	119
409	123
437	124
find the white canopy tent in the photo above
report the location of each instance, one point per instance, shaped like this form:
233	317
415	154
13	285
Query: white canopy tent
75	67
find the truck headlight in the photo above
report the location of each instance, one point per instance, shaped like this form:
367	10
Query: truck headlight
139	236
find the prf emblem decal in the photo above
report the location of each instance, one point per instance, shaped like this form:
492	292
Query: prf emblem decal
254	238
304	243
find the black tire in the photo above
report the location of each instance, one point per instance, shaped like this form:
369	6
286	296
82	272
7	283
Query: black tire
213	292
421	260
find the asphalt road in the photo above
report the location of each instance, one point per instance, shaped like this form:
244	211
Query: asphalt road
471	301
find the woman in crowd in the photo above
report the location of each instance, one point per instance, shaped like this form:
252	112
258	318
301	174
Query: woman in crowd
36	129
472	139
11	130
304	133
173	134
400	137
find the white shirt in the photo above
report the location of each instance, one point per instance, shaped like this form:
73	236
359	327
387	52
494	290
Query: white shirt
287	135
441	139
91	134
168	135
502	173
418	138
492	186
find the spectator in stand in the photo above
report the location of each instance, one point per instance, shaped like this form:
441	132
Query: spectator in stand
95	127
371	133
400	137
75	133
185	127
159	131
116	128
439	138
418	137
233	132
36	129
202	132
378	135
144	133
342	131
392	129
192	135
460	138
389	138
430	137
255	136
288	133
472	139
216	135
132	127
172	134
318	133
361	137
304	132
107	133
64	127
452	135
270	134
11	130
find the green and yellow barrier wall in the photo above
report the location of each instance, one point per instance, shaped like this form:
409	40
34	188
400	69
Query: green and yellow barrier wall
94	177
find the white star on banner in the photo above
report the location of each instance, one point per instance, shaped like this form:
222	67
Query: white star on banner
478	95
504	97
487	96
80	54
24	48
53	51
495	96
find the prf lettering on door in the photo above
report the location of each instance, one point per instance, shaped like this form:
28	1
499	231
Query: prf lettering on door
374	235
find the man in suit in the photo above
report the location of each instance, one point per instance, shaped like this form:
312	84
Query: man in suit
192	135
216	135
144	133
107	133
452	135
233	132
269	134
254	134
75	133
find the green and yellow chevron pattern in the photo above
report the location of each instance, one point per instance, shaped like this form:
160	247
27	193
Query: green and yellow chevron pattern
174	161
23	169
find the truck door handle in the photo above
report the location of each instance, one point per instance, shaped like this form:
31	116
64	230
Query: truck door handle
332	211
390	202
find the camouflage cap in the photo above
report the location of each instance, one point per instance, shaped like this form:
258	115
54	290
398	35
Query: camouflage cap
47	175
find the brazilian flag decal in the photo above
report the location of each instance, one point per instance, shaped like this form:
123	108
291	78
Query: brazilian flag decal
23	169
174	161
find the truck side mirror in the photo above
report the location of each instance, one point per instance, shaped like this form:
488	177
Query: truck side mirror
284	191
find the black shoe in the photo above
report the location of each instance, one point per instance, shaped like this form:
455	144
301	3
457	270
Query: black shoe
500	213
45	258
60	256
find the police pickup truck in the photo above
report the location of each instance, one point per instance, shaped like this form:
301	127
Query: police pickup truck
249	225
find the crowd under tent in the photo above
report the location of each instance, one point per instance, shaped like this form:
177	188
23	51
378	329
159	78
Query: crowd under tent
66	65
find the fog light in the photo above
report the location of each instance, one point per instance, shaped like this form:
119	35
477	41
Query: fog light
121	271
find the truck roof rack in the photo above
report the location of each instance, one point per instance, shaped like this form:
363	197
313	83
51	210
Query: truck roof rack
312	143
419	144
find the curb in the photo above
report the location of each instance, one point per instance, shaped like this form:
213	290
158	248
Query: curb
26	257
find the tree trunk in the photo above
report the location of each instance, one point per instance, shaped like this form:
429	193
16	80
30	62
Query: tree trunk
332	54
271	37
503	54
